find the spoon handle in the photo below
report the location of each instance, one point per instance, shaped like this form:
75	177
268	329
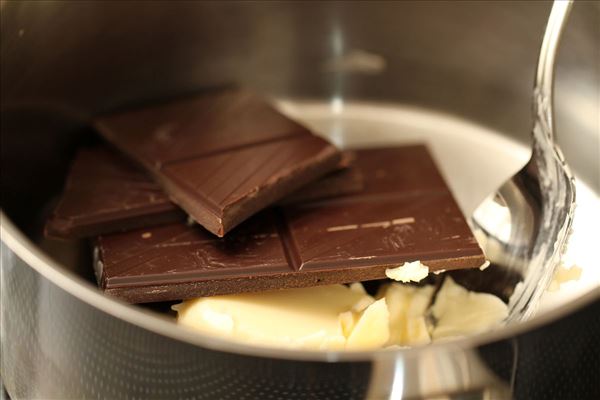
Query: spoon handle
543	88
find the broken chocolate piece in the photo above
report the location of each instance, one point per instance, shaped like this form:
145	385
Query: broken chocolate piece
106	193
404	213
221	156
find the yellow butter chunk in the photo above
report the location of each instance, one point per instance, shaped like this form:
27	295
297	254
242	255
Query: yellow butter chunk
407	306
459	312
338	317
408	272
347	321
371	331
563	275
305	318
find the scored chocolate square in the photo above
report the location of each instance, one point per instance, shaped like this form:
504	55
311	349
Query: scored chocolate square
252	248
381	229
105	193
222	156
404	213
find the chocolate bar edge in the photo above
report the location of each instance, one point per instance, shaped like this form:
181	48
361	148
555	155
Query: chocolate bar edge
65	229
181	290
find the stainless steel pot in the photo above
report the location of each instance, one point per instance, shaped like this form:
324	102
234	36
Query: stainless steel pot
62	62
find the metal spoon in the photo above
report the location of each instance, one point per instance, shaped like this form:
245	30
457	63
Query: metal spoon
523	227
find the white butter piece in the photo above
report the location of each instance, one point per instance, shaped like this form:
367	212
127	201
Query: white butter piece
563	275
459	312
484	266
338	317
409	272
416	332
358	288
347	321
407	306
364	302
299	318
372	330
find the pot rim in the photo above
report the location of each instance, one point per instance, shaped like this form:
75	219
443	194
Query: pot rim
56	273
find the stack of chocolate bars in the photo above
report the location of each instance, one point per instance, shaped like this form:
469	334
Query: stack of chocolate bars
219	193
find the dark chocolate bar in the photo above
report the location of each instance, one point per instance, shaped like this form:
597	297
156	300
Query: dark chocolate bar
221	156
344	181
106	193
404	213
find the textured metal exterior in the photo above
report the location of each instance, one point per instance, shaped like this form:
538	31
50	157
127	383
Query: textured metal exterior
64	61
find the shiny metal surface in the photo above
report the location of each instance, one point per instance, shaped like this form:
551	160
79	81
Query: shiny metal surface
539	200
62	62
